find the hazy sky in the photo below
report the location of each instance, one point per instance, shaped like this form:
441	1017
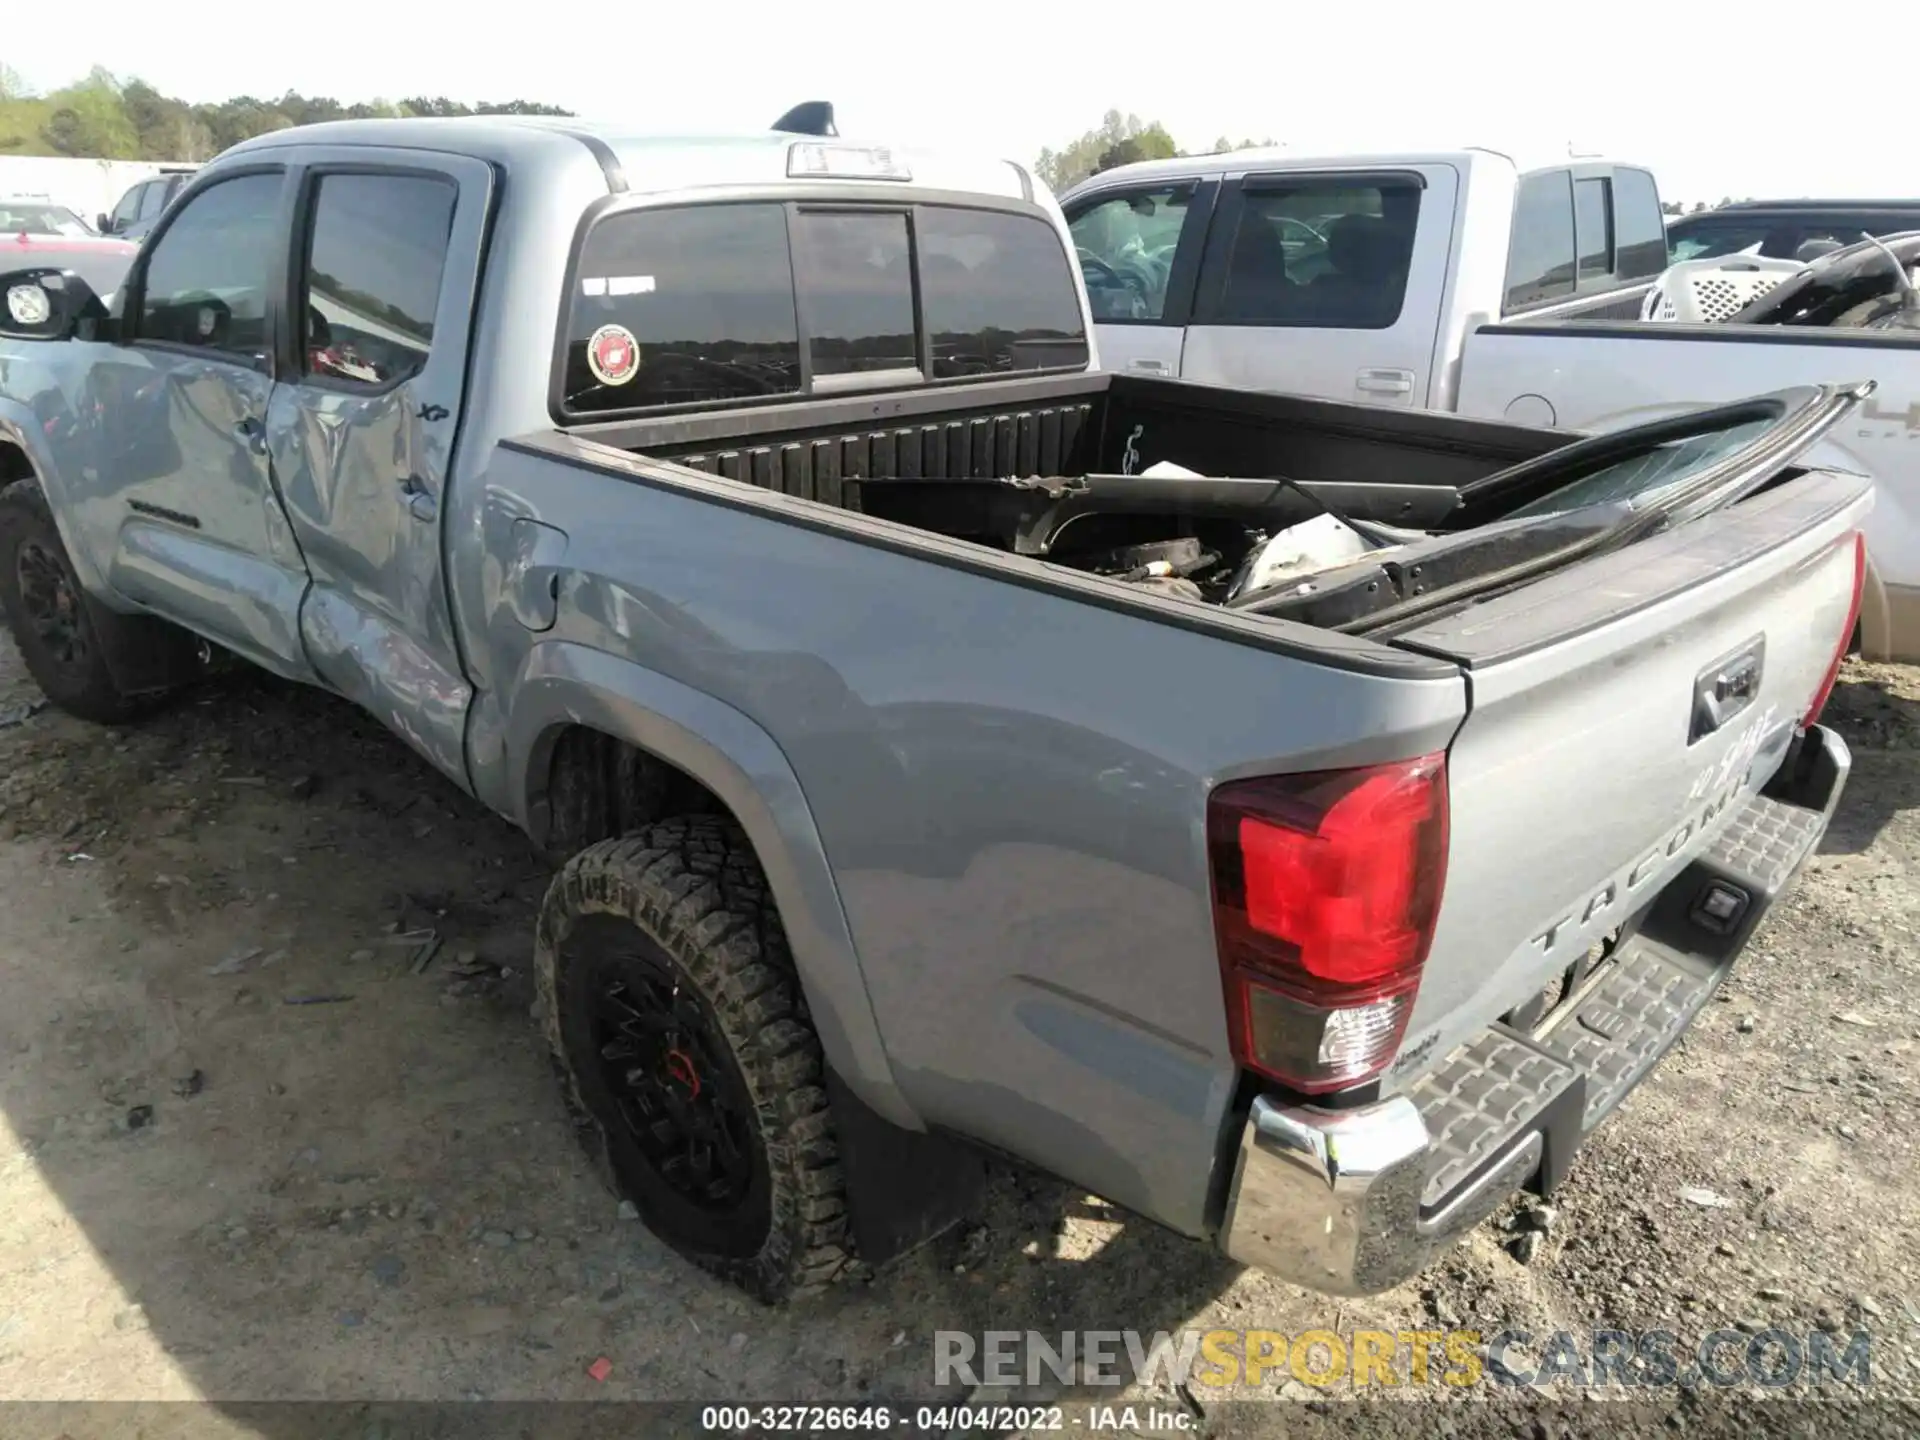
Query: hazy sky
1667	85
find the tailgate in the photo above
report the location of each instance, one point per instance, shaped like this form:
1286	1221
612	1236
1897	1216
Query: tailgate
1622	710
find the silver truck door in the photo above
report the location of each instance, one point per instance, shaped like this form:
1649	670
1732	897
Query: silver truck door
1139	249
182	478
1326	282
361	427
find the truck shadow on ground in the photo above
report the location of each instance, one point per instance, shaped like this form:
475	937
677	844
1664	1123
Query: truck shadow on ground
1876	709
259	1153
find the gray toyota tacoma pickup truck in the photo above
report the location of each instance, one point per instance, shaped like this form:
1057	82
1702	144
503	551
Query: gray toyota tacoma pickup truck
1296	822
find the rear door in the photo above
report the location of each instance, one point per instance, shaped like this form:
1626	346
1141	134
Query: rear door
1625	708
1325	282
1139	250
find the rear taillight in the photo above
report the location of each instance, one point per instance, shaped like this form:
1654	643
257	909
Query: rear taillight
1845	643
1325	890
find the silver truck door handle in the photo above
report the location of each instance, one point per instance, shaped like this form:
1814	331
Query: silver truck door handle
1153	367
420	501
1385	382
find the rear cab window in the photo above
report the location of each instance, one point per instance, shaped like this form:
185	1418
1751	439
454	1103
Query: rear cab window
1582	231
732	303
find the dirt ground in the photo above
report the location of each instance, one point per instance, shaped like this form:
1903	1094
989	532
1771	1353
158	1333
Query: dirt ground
209	1189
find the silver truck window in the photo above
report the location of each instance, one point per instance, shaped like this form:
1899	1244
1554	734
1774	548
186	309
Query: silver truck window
1126	245
375	252
853	273
1540	250
153	199
206	277
683	305
1593	227
704	304
997	293
1327	254
1639	229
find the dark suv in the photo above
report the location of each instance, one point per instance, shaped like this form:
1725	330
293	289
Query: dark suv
144	202
1784	228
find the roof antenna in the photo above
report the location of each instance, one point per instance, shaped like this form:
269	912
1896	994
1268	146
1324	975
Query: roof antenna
809	117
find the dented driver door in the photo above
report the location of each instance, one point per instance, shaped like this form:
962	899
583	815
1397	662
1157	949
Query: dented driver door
362	428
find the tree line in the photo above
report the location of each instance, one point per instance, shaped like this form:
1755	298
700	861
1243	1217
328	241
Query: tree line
105	118
1120	140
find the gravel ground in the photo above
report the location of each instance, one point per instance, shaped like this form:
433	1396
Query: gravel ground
208	1191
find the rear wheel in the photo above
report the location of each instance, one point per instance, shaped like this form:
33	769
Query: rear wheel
56	627
677	1024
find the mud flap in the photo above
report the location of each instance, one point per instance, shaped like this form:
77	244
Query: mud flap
144	654
904	1187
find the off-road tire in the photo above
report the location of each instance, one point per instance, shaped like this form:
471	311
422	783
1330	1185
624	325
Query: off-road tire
85	686
688	893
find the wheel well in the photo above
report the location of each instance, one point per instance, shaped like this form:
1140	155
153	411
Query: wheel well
14	464
599	787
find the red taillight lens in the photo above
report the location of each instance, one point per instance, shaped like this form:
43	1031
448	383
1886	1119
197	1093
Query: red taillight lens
1325	890
1825	692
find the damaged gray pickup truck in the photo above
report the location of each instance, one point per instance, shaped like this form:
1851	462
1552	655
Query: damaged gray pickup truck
1299	823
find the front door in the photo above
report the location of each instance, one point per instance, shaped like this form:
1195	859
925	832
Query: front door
180	413
1139	249
361	429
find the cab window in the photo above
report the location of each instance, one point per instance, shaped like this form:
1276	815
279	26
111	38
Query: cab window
1125	244
1328	254
207	277
374	256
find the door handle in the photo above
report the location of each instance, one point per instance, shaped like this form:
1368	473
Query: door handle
254	433
420	502
1152	367
1384	382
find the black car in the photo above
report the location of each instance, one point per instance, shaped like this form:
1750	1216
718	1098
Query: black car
134	215
1786	229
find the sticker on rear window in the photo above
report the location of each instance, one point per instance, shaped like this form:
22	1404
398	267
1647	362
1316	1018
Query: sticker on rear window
613	355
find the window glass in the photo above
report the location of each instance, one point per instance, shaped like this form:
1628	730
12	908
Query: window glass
997	293
30	217
206	281
153	199
1593	228
1126	245
1540	250
854	274
129	206
1639	229
1708	242
1328	254
702	298
1642	479
374	258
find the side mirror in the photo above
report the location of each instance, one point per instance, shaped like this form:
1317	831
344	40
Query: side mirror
104	223
47	304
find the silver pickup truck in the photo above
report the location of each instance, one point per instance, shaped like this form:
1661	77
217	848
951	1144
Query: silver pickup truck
1297	822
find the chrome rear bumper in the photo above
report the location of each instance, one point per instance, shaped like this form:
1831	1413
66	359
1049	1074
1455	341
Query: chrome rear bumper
1353	1202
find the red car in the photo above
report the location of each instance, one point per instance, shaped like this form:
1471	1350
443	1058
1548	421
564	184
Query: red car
33	232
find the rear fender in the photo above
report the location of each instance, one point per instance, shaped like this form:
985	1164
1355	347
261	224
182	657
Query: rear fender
564	684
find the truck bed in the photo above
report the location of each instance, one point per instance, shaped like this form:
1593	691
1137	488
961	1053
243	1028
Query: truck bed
1075	425
1006	762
